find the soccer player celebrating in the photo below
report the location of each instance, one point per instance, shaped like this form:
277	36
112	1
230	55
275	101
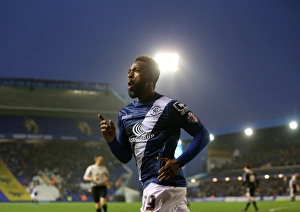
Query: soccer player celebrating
293	187
251	183
99	177
149	129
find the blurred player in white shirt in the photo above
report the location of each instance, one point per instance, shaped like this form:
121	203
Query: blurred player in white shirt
33	194
98	175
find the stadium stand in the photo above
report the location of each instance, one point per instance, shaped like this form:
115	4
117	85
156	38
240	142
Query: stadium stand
49	133
273	153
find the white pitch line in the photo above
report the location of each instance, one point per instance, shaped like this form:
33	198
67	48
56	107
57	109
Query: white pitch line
278	209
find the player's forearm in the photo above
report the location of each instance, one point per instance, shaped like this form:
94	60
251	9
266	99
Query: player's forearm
121	152
199	142
87	178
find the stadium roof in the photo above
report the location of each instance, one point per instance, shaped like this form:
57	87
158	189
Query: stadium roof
52	98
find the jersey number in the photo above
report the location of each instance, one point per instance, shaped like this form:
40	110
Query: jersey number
151	203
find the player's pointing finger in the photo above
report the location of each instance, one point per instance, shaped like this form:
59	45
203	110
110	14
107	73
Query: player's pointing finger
100	117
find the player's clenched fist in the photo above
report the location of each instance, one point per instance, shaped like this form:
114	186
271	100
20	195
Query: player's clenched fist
108	130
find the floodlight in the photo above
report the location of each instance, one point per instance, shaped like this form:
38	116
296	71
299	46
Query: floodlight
167	62
293	125
248	131
212	137
193	180
267	176
227	179
239	178
214	179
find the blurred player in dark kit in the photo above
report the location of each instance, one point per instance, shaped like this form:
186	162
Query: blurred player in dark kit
251	183
294	187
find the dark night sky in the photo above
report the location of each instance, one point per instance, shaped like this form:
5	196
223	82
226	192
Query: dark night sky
239	60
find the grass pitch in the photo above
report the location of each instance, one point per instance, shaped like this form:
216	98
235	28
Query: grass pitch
272	206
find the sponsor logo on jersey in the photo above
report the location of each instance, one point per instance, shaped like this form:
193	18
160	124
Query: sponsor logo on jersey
140	134
137	129
191	118
182	108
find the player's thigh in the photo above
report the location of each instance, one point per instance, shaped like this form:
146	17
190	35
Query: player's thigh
252	192
164	199
182	207
96	194
103	191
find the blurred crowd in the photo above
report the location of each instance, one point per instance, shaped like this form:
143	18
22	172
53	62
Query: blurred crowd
68	160
287	156
268	187
63	163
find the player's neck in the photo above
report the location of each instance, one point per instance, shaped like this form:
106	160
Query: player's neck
146	97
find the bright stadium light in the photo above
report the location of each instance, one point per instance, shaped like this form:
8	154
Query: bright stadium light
267	176
212	137
193	180
214	179
167	62
227	179
293	125
280	176
248	131
239	178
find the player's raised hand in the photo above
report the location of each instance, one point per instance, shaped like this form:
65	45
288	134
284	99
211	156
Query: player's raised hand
108	130
169	170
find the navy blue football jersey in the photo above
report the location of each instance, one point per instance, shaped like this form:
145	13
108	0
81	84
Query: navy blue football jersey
150	130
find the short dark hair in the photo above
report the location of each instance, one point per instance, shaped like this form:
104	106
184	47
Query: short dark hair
97	156
247	166
152	65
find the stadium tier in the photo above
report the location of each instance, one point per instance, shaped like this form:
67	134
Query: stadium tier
48	98
55	110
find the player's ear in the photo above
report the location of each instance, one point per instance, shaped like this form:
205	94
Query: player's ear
150	79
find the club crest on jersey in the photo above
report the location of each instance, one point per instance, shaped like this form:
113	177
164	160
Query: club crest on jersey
191	118
155	110
182	108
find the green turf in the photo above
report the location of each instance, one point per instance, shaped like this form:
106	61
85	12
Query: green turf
284	206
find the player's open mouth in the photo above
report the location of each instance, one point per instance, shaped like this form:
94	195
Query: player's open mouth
130	85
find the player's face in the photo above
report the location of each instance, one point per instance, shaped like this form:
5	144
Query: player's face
137	79
99	161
